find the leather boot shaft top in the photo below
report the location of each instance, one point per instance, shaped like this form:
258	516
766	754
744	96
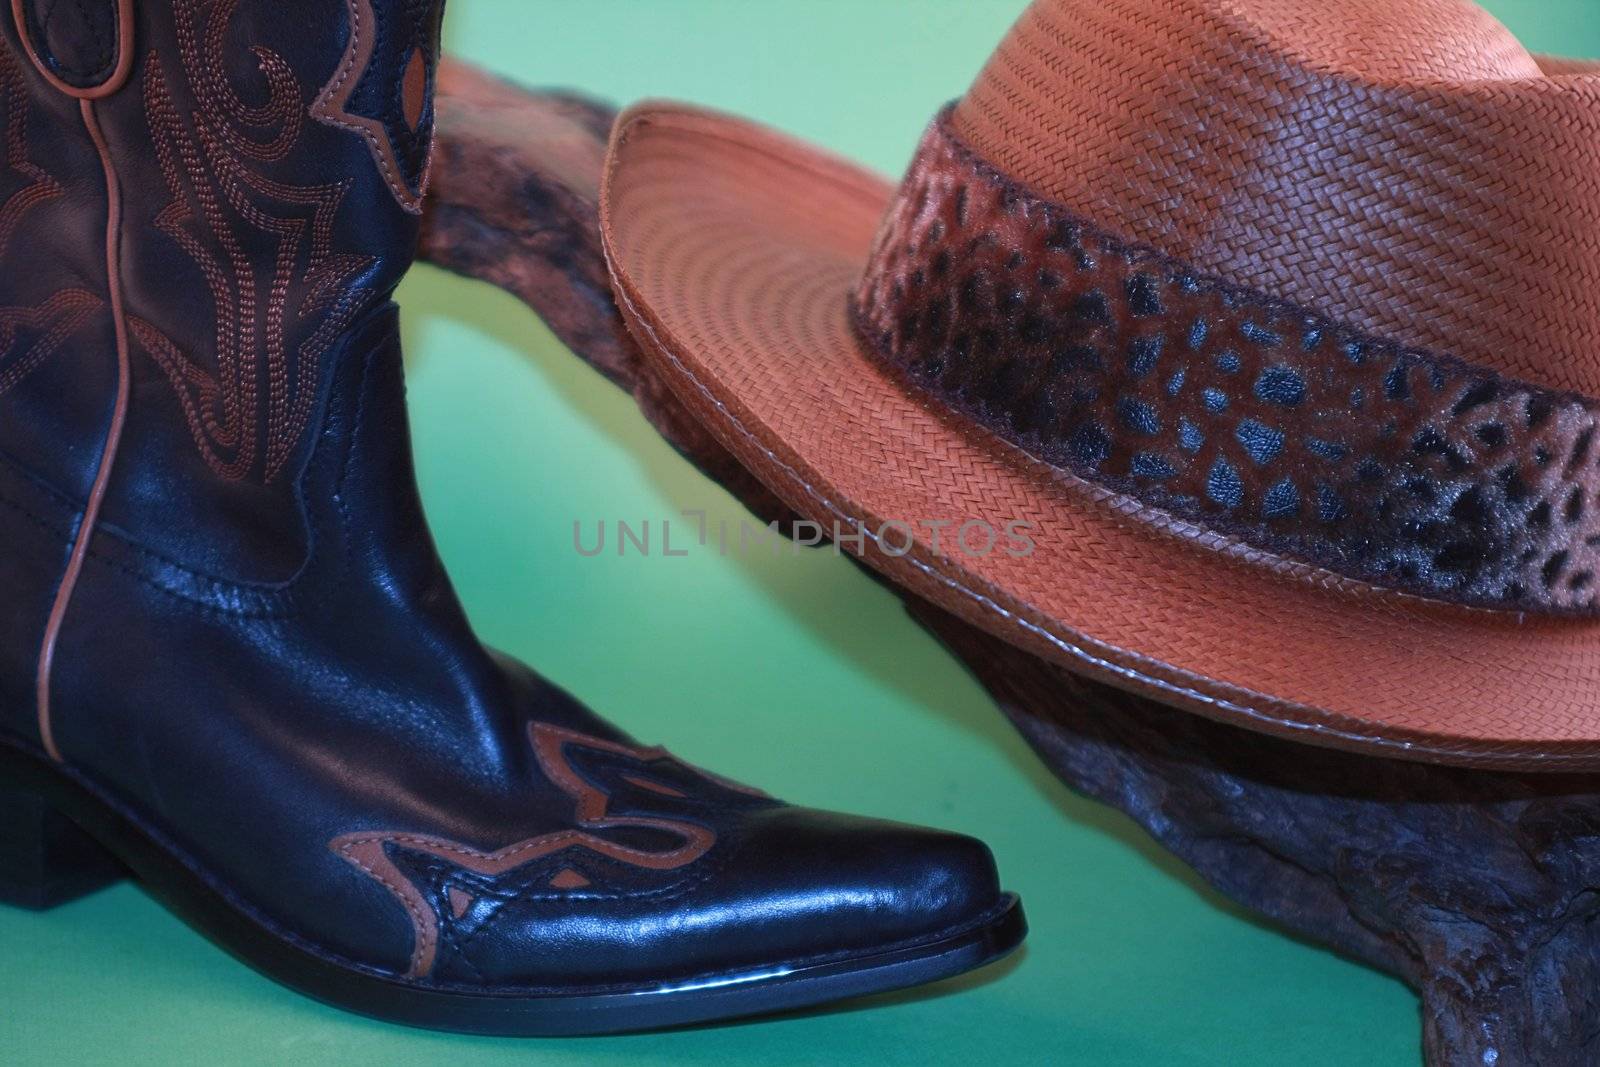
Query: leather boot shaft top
239	181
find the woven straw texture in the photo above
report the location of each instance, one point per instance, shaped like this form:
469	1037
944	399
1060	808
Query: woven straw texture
1400	165
733	252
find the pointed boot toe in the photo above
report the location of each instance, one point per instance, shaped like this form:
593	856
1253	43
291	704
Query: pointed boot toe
873	885
578	883
783	898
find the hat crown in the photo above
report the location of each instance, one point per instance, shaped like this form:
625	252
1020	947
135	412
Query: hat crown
1404	166
1386	40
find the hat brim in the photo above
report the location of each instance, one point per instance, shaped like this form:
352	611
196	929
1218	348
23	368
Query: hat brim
733	250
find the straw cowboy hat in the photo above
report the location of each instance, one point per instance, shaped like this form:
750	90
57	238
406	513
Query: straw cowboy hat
1272	326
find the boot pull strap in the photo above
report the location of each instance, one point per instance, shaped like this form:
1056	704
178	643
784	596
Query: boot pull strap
83	49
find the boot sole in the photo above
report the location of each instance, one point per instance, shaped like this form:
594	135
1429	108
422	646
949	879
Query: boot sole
61	838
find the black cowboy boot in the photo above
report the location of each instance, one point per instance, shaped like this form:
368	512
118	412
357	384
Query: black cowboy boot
229	658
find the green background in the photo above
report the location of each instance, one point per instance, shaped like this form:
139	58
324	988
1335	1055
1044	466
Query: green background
794	672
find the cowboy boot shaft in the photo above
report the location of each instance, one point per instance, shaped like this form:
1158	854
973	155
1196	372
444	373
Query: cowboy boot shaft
240	179
229	649
269	159
260	587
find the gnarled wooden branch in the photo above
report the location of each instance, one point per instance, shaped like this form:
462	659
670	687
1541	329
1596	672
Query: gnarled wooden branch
514	202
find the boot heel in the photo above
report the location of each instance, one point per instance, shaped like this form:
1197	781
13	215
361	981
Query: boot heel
45	860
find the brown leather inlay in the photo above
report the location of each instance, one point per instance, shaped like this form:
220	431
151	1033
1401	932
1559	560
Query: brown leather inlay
1222	405
332	105
414	89
568	878
369	851
460	901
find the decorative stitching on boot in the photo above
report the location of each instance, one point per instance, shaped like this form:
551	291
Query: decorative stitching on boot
39	186
30	336
217	198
